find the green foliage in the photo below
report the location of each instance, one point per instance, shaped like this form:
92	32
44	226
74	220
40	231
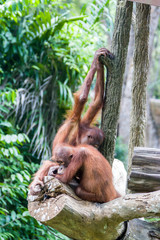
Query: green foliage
46	50
15	175
45	53
121	151
31	60
151	220
26	62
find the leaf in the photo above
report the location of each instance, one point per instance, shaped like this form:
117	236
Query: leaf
36	67
4	109
18	223
11	150
3	211
13	177
13	215
7	138
27	177
21	138
26	214
20	177
27	138
15	151
13	96
5	152
6	124
14	138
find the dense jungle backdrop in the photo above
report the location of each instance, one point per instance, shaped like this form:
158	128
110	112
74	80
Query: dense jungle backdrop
45	53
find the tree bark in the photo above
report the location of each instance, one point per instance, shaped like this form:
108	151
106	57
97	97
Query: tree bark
84	220
124	120
141	65
113	90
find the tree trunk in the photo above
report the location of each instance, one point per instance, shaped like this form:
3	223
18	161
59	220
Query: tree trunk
141	65
124	120
115	77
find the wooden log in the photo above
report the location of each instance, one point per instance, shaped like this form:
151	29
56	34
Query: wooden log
59	208
145	173
150	2
140	229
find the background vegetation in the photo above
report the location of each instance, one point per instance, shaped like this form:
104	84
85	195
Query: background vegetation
46	50
154	84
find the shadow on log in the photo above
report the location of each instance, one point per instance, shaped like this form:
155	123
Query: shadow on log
60	208
140	229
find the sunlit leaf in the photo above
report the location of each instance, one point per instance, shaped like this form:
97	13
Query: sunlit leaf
13	215
20	177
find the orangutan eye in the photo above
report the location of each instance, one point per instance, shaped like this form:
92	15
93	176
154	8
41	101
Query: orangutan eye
89	136
71	156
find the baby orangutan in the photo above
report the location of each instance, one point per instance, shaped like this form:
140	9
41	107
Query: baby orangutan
59	169
93	169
